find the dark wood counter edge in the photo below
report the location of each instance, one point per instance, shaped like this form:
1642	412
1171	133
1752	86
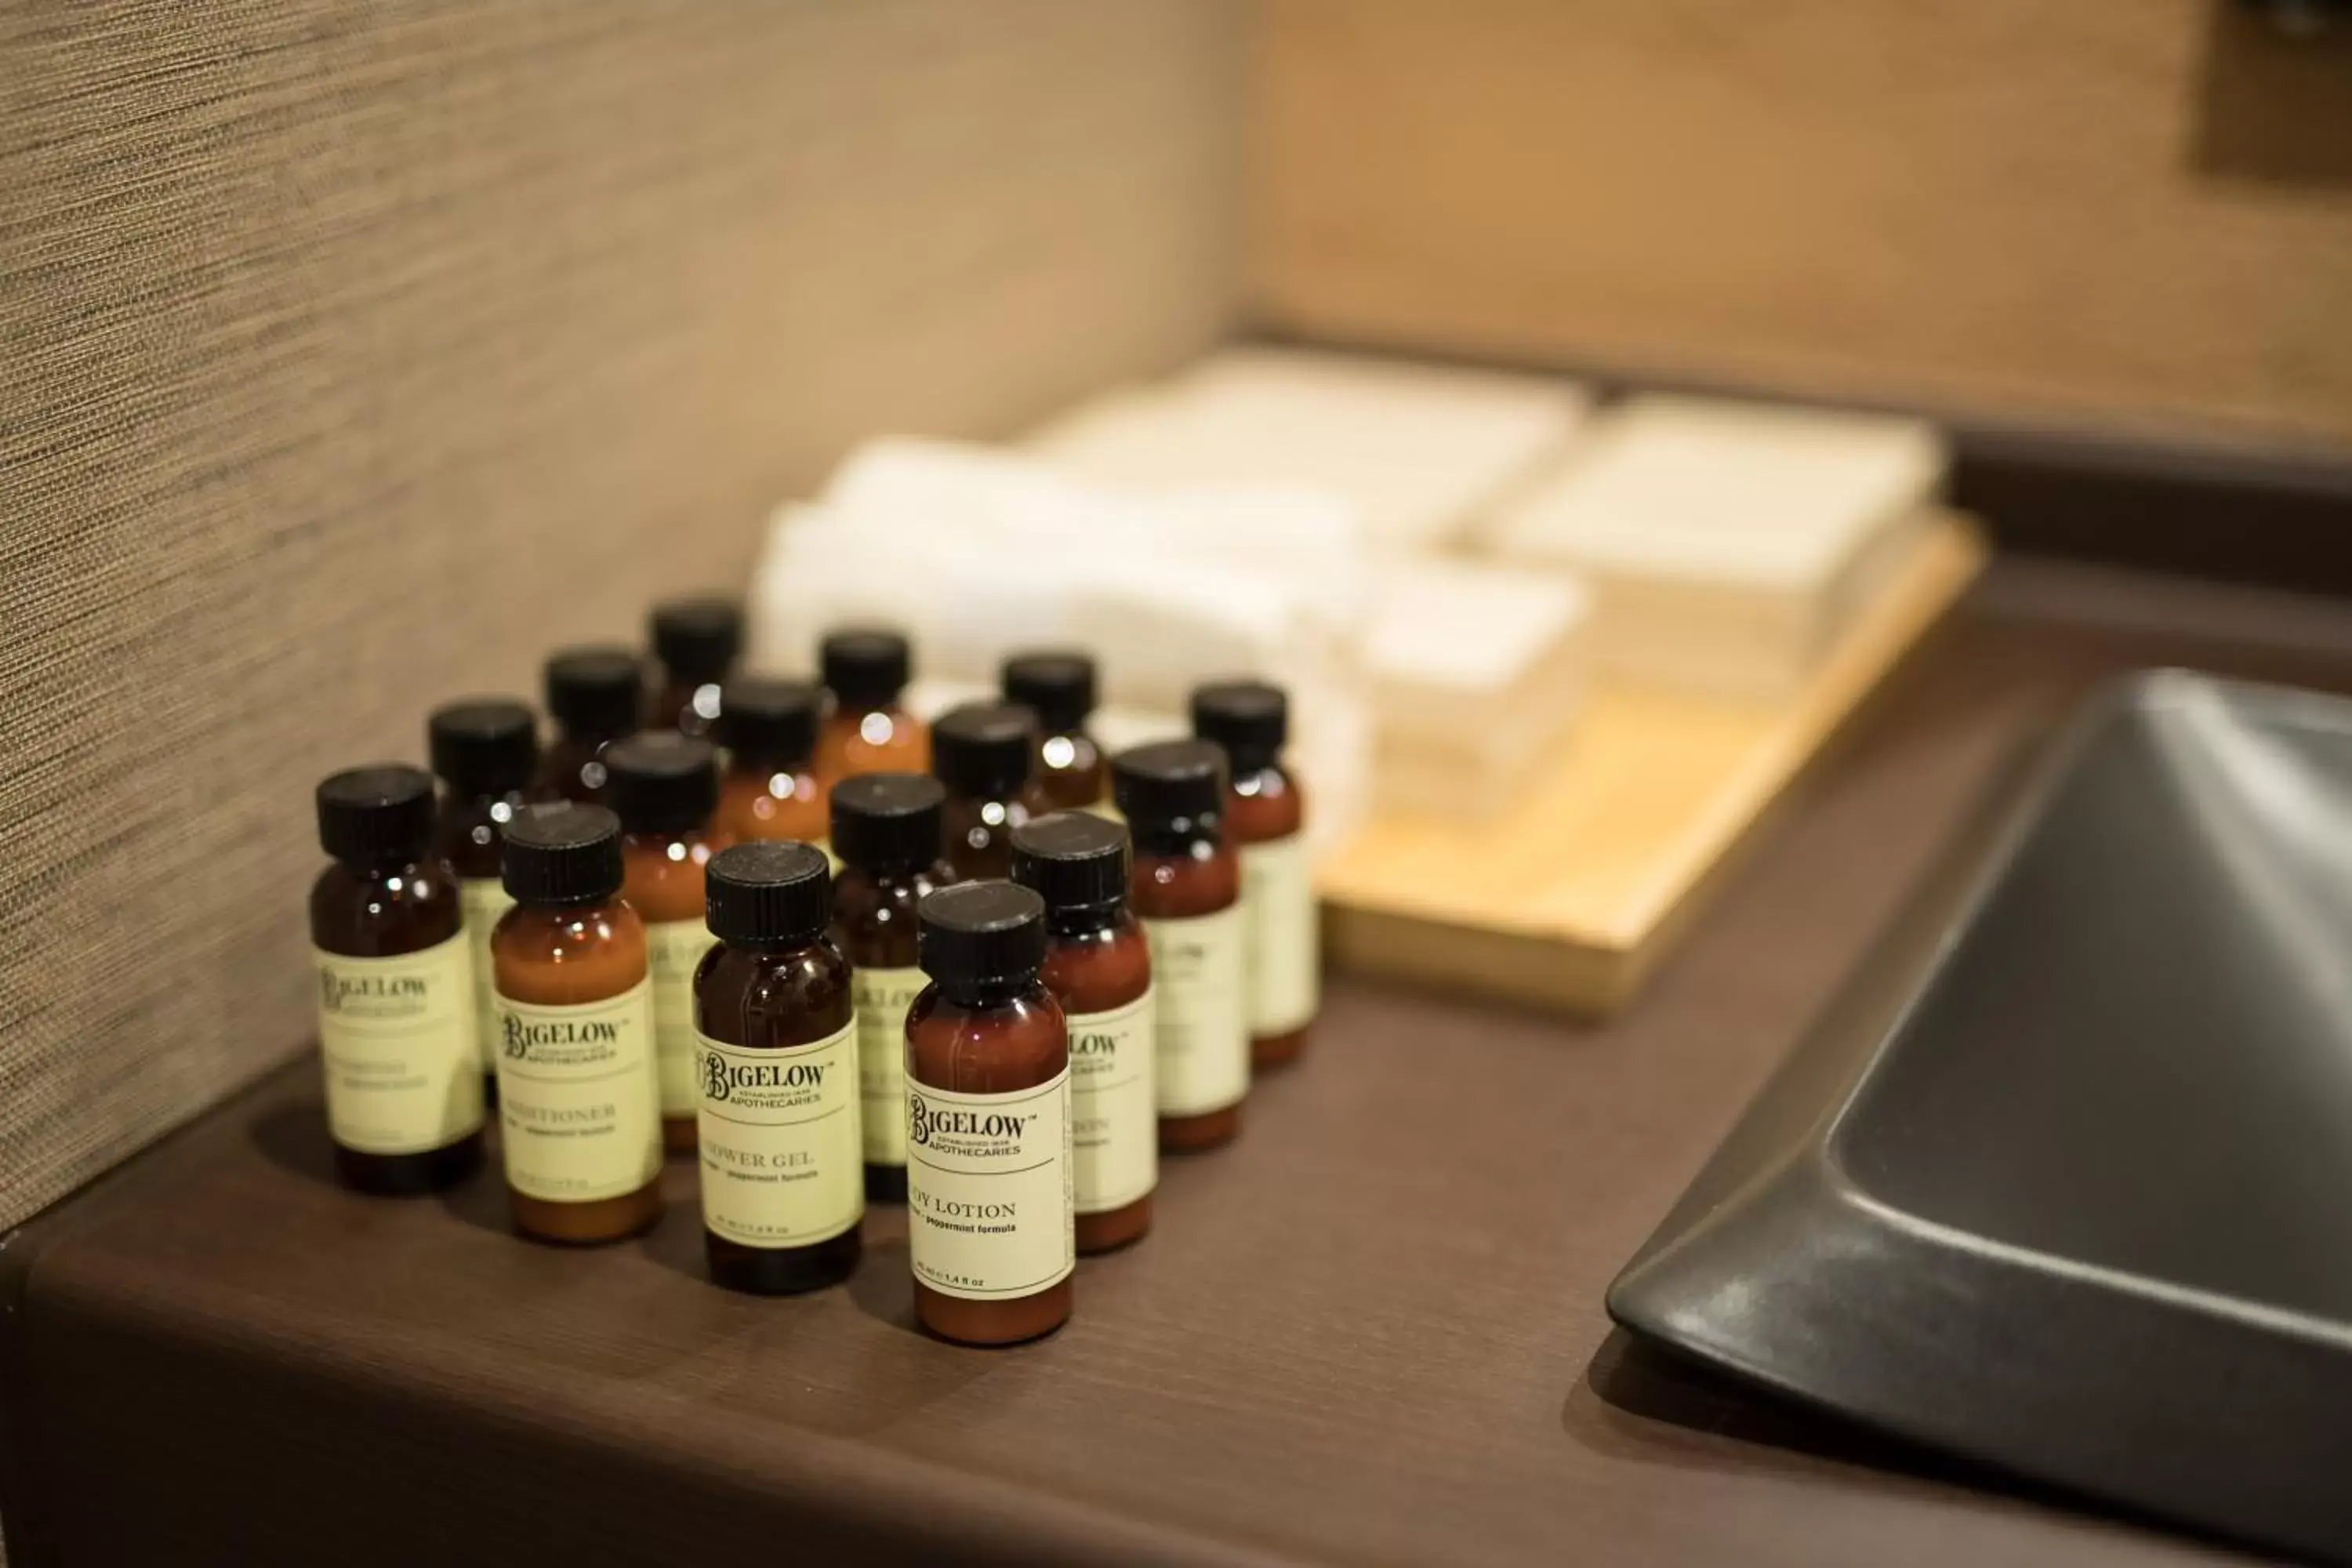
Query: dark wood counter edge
1705	1397
20	1524
935	1512
22	1537
2189	503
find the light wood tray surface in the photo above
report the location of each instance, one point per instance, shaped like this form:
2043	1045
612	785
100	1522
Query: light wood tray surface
1570	896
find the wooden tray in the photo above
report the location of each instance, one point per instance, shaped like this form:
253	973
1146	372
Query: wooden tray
1569	899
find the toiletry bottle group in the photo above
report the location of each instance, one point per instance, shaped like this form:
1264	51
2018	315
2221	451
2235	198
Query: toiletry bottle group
1031	971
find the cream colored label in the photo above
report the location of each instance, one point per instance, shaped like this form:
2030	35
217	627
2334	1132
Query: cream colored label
781	1164
883	997
396	1036
672	949
577	1099
1285	955
485	900
1201	1037
1114	1132
989	1190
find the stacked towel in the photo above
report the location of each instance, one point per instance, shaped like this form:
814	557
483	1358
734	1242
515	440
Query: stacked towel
1477	672
1301	517
1728	545
1473	676
1421	452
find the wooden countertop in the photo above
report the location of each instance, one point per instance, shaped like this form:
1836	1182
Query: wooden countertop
1370	1333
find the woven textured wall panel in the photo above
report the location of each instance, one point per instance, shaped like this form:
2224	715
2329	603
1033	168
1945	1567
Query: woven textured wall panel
351	356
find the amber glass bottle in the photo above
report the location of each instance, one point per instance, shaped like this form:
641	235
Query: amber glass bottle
396	1023
1186	886
782	1189
485	752
579	1109
1059	687
886	830
695	641
1099	967
1266	816
982	751
990	1229
868	732
770	789
665	788
596	696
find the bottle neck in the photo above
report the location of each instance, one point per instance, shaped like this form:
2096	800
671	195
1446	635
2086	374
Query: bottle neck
562	908
766	764
1251	762
774	947
1167	843
1085	919
977	994
473	792
376	868
666	833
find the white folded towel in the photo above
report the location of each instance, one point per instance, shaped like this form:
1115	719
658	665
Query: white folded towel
1310	541
1727	544
1423	452
977	555
1478	672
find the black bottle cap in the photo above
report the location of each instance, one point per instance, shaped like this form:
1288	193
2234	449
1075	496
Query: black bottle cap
486	746
1248	718
1173	793
977	935
376	816
769	723
865	667
768	893
983	750
1059	687
1074	860
697	639
663	782
562	852
596	692
885	822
